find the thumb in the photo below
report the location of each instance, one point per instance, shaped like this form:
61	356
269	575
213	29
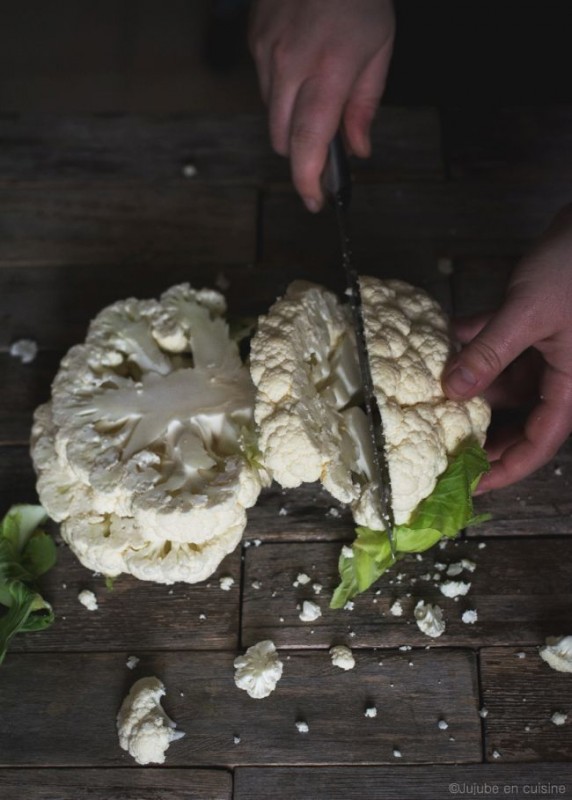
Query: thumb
506	335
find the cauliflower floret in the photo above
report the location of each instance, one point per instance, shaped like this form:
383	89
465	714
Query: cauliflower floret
258	670
557	652
141	452
144	729
304	365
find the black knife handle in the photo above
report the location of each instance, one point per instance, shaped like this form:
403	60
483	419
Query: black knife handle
337	179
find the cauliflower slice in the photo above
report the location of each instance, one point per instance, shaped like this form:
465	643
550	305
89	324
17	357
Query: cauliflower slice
557	652
143	727
304	365
141	452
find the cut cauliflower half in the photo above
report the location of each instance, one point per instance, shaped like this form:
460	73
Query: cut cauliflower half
143	727
141	454
311	426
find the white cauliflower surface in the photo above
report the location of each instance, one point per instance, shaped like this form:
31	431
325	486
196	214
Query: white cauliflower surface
304	365
141	453
557	652
258	670
143	727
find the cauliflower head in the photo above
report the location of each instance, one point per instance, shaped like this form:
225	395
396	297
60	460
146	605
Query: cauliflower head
141	454
143	727
311	426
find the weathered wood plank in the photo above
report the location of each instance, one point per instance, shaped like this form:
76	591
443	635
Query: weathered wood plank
439	219
538	504
521	591
137	615
55	222
521	692
525	144
116	784
25	387
46	699
396	783
222	148
17	479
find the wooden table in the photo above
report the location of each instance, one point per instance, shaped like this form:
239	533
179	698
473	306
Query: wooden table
97	209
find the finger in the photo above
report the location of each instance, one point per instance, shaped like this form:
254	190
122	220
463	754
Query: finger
466	328
281	102
315	119
364	103
508	333
518	384
546	429
498	441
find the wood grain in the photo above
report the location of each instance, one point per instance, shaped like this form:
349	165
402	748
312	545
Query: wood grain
478	284
530	145
522	591
116	784
396	783
44	700
222	148
521	694
62	222
464	218
136	615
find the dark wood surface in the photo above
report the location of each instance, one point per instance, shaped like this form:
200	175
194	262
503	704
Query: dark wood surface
96	209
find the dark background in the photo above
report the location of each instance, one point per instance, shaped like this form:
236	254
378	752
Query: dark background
171	56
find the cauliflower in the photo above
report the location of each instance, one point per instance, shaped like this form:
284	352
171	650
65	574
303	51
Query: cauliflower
429	619
144	729
342	657
258	670
557	652
141	454
304	365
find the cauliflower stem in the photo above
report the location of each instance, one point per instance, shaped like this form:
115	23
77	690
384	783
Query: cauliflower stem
445	512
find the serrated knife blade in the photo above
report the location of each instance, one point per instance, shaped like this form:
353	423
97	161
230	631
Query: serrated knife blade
337	185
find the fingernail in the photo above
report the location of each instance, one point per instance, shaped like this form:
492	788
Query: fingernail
311	204
461	381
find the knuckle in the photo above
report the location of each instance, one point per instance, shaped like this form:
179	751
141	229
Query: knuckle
487	356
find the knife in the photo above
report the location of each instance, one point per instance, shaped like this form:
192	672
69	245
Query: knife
337	184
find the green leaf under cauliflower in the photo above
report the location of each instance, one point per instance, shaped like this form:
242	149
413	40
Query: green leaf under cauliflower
445	512
25	554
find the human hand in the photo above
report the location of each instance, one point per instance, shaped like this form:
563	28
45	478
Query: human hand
496	359
320	63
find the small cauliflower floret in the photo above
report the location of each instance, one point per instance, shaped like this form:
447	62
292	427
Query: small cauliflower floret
304	365
429	619
144	729
342	657
141	453
557	652
258	670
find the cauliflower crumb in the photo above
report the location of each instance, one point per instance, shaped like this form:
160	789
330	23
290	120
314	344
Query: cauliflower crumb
87	598
144	728
496	754
370	712
442	725
317	588
454	588
132	662
347	552
202	617
429	619
396	609
342	657
349	606
303	579
283	511
521	654
469	616
483	713
310	611
236	739
189	171
333	512
24	349
396	752
258	670
226	582
256	585
302	726
558	718
482	545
